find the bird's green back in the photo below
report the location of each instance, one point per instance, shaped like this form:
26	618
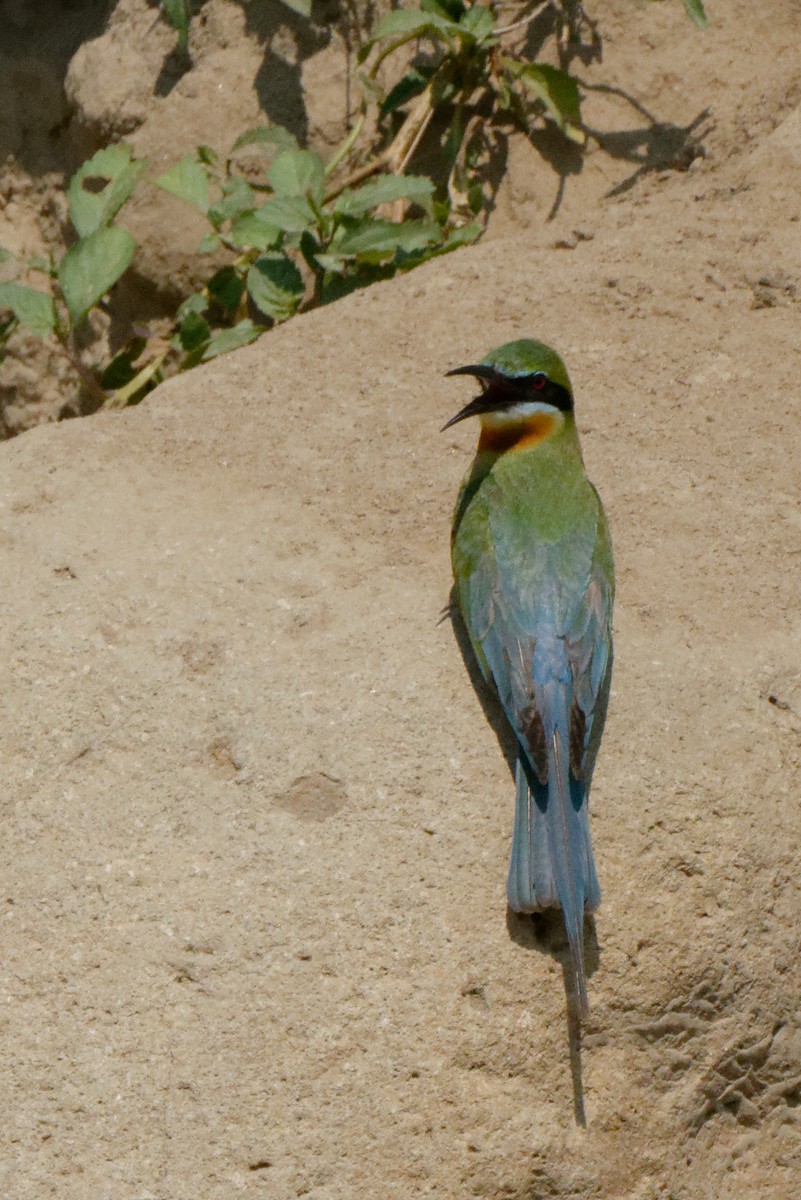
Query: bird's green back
526	521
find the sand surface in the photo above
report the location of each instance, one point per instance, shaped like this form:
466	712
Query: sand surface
255	821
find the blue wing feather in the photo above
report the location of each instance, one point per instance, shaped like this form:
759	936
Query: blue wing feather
543	635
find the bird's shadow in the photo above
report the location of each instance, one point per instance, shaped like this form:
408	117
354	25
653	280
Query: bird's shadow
543	931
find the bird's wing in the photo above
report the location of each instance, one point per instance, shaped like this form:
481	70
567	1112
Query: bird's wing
492	608
588	639
502	596
512	594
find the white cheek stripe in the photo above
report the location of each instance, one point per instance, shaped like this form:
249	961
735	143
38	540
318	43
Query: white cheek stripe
519	413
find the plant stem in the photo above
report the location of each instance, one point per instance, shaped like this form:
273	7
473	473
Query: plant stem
397	154
523	20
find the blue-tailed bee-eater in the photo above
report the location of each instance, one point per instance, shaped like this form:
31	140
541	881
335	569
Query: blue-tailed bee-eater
532	562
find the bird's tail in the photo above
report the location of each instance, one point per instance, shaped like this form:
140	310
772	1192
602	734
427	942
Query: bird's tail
552	862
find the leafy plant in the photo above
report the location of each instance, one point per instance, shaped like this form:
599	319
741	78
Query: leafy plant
469	81
290	231
295	240
90	267
469	77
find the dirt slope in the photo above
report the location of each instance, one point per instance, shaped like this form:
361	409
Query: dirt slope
255	822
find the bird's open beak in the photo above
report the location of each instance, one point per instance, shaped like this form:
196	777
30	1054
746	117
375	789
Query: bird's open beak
486	377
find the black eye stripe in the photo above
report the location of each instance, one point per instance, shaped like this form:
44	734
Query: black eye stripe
503	392
546	390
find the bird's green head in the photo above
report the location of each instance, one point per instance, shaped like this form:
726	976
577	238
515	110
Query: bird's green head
521	382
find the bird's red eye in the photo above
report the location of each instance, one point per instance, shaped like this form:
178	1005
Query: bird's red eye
538	381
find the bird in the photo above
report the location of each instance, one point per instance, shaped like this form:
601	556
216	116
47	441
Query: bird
534	583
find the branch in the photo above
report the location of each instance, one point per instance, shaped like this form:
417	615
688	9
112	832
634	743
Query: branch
523	20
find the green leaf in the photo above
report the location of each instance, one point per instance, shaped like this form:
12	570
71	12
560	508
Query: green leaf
375	241
5	255
463	236
274	136
384	188
252	230
297	173
92	266
695	10
452	142
452	10
475	196
210	242
557	90
506	96
198	302
412	22
100	187
477	21
331	262
310	249
40	263
32	308
226	287
189	181
193	332
177	13
276	286
336	286
411	85
121	369
302	7
237	197
207	156
231	339
290	214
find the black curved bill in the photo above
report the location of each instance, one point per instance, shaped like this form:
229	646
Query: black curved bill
479	370
486	377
